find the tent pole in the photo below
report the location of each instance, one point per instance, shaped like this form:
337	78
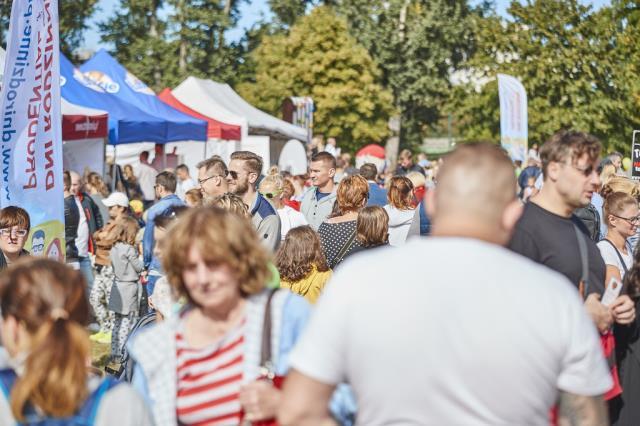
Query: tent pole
205	149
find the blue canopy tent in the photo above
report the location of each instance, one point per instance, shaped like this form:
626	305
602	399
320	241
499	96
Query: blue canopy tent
105	71
127	123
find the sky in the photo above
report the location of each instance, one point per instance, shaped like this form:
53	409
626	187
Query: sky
251	11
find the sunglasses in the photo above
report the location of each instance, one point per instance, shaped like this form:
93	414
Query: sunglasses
233	174
201	181
586	171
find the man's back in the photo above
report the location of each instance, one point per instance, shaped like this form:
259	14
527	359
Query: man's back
146	176
484	337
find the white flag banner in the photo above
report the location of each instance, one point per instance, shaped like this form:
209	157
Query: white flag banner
31	147
513	116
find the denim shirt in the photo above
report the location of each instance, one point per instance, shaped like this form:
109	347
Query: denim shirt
158	209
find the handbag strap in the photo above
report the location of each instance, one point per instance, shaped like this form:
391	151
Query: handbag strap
265	352
346	246
622	262
584	260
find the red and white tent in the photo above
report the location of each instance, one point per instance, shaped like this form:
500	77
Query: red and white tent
84	131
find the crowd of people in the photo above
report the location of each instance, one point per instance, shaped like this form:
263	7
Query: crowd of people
468	290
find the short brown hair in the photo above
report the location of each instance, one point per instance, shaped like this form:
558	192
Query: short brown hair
252	161
221	237
569	145
194	196
615	203
400	194
373	226
324	157
12	216
353	192
299	253
215	163
231	203
369	171
405	153
168	180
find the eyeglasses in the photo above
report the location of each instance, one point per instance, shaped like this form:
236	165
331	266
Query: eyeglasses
586	171
233	174
202	181
7	232
632	220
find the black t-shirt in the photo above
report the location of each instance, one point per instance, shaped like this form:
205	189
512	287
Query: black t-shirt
551	240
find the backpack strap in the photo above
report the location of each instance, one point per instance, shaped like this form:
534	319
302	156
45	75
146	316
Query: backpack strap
622	262
584	261
89	410
7	380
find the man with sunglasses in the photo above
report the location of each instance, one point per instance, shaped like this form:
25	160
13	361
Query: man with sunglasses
244	170
549	233
212	177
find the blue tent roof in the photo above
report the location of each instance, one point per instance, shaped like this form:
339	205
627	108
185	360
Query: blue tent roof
114	78
127	123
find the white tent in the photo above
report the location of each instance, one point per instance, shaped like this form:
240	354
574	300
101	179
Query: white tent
259	122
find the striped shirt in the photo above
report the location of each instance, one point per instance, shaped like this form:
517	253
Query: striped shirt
209	380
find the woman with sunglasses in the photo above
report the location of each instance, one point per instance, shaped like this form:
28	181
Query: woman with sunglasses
14	228
272	188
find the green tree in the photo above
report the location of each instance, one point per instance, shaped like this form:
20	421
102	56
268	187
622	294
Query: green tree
73	16
565	55
139	39
287	12
417	43
319	58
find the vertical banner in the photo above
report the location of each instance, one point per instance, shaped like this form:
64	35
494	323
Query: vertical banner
635	155
513	116
31	147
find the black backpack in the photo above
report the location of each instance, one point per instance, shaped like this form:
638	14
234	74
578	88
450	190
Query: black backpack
591	219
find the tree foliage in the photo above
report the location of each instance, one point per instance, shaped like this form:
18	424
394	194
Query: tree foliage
319	58
163	51
73	22
572	63
417	43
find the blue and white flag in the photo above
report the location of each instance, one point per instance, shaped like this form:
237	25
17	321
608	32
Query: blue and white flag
513	117
31	145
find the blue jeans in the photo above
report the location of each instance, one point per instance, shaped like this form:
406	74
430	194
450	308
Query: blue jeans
151	283
87	270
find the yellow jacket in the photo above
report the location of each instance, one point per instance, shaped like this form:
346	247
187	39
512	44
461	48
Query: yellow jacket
310	286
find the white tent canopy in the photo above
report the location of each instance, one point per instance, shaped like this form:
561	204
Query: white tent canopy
221	102
258	120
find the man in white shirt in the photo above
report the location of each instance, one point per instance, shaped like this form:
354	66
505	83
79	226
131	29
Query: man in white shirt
185	181
486	337
146	176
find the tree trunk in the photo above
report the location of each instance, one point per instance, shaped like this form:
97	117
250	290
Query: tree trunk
153	32
182	54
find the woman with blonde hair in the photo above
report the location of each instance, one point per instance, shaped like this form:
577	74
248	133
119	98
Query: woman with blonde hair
338	233
629	187
45	378
217	263
272	188
98	191
404	219
301	263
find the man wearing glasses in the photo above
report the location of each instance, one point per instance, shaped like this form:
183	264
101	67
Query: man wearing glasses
212	177
244	170
14	228
549	233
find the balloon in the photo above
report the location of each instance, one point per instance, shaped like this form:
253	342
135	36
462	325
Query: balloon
626	163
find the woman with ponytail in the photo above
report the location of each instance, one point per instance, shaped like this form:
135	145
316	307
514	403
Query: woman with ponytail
44	311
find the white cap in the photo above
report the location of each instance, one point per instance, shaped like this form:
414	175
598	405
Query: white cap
116	199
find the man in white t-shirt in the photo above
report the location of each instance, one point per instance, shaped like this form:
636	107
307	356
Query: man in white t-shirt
185	181
146	176
486	337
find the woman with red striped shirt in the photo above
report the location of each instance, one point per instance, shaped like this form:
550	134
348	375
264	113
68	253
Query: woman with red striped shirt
204	367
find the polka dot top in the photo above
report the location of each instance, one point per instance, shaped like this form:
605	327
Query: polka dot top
334	236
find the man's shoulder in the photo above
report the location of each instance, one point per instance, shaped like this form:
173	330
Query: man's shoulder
264	208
